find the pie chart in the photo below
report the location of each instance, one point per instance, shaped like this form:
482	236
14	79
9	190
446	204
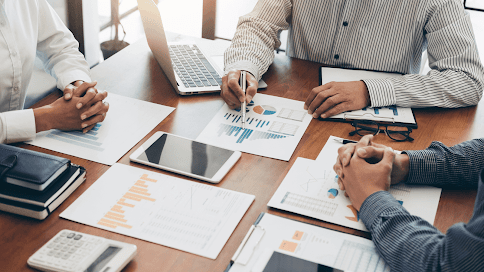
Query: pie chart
264	109
332	193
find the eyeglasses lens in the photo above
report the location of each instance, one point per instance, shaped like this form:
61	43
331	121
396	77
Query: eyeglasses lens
364	129
398	133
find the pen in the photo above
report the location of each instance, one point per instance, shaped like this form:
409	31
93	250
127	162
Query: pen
243	84
344	141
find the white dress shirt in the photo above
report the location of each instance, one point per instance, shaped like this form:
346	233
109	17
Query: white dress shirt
29	28
381	35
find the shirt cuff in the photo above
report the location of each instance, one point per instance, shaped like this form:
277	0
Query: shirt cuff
381	92
422	167
68	77
20	125
375	205
243	65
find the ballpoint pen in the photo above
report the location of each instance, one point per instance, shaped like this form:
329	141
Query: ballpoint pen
243	84
344	141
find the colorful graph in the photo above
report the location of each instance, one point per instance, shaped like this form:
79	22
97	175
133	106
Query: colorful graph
87	140
264	109
356	214
243	134
235	118
332	193
138	192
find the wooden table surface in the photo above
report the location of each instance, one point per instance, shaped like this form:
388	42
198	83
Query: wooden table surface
135	73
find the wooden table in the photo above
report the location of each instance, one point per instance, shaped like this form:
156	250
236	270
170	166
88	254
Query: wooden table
134	72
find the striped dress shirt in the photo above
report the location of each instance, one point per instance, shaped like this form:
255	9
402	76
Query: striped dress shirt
381	35
409	243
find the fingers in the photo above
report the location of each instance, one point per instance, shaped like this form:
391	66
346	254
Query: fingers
316	97
233	83
83	88
252	86
388	158
98	108
68	92
345	153
364	142
227	93
371	152
92	121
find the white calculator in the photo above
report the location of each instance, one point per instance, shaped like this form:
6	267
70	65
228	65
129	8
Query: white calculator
79	252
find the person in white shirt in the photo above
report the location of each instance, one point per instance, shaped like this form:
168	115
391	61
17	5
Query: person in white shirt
30	28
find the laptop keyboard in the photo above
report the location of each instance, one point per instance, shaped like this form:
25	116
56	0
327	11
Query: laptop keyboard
192	67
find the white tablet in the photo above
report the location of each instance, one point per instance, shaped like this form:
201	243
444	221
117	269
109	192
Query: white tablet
187	157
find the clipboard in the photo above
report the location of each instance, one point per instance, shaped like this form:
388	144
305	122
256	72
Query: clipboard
384	115
271	233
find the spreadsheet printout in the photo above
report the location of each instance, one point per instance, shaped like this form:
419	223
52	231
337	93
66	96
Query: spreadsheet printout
308	242
162	209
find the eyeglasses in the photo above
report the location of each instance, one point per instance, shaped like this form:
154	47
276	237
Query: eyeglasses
399	133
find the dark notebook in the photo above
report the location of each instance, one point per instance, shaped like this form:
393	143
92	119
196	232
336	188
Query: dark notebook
31	169
40	204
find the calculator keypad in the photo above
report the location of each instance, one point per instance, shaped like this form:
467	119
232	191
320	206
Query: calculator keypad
67	249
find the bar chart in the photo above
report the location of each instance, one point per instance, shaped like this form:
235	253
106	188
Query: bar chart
162	209
243	134
88	140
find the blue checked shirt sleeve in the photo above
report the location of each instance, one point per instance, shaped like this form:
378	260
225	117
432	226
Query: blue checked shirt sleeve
409	243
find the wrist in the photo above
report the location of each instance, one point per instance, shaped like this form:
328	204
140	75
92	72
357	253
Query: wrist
44	118
400	168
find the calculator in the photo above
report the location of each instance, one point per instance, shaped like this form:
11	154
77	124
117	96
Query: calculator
73	251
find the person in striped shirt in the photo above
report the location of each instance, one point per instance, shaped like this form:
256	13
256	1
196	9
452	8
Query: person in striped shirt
407	242
378	35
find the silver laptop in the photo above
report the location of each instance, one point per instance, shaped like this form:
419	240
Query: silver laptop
185	65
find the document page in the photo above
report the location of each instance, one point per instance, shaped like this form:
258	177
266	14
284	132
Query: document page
311	189
165	210
327	247
385	114
127	122
274	126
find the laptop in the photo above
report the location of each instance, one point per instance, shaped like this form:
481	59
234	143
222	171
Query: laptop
189	70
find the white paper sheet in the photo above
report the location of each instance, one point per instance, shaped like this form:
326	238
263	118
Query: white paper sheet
387	114
310	188
308	242
274	127
165	210
127	122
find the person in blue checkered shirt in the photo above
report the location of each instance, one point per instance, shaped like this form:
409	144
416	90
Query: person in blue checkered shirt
407	242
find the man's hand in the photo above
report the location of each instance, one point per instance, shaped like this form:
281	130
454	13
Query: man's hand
231	91
372	153
361	179
337	97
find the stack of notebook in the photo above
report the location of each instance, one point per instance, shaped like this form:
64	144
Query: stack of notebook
34	184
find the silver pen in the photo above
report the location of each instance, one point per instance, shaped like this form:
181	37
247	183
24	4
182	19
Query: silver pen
243	84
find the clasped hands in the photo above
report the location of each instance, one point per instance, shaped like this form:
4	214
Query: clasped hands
323	101
80	108
366	167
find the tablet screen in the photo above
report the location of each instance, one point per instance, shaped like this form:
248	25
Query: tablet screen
186	155
281	263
